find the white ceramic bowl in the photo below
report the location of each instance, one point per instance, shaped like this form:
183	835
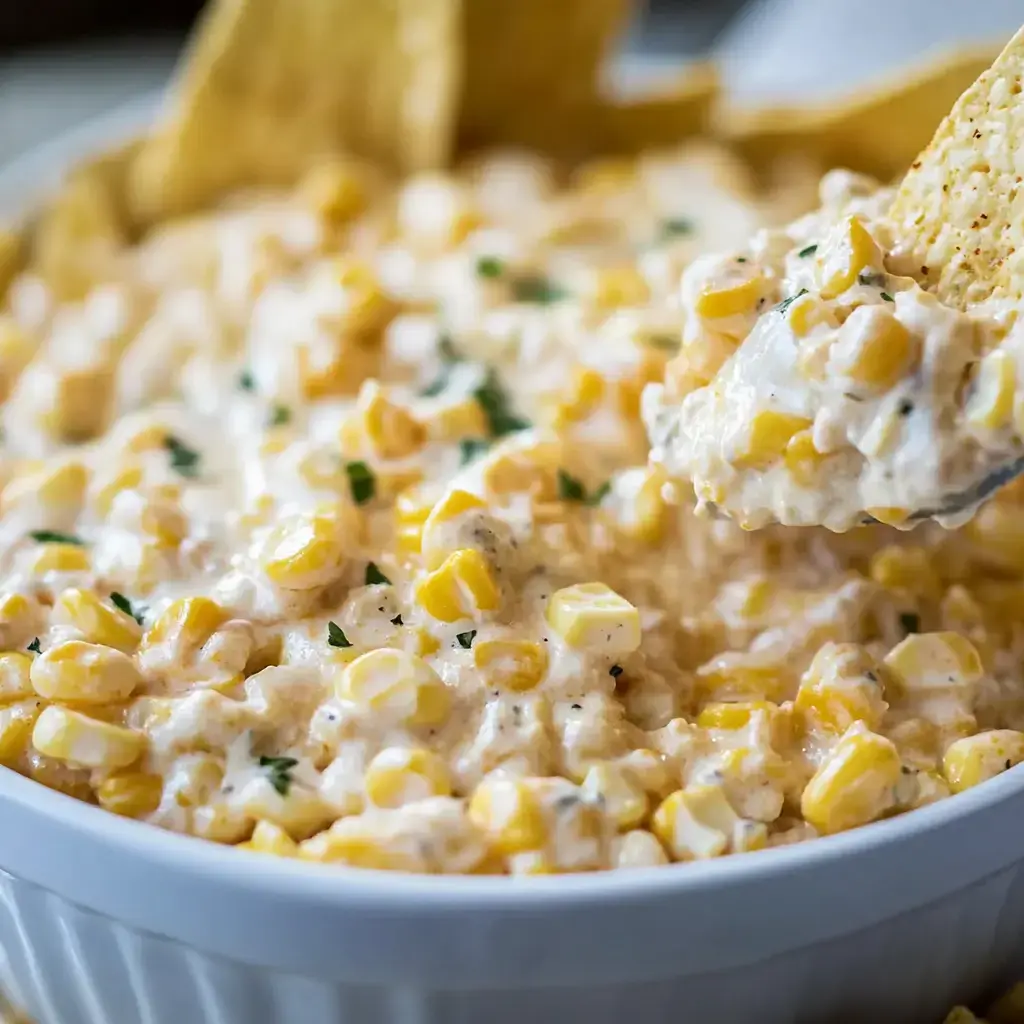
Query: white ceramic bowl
108	921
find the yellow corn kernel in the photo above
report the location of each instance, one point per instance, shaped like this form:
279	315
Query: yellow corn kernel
927	661
187	622
412	507
906	568
58	557
16	350
397	683
82	403
306	552
341	372
521	472
649	514
848	250
368	310
802	458
805	313
975	759
457	420
334	191
54	486
67	735
733	715
697	823
106	490
403	775
613	287
268	837
874	348
97	621
592	616
621	798
417	640
770	433
84	673
639	849
855	784
16	721
357	849
843	685
508	813
990	405
435	527
605	176
463	587
888	514
735	290
130	794
14	676
392	431
21	620
586	393
510	664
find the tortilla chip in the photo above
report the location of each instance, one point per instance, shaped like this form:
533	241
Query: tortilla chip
878	132
532	72
960	209
270	86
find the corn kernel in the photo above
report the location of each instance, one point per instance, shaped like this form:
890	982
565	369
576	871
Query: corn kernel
437	535
97	621
848	250
805	313
907	568
613	287
368	310
267	837
334	191
70	736
21	620
508	813
357	849
521	472
889	515
975	759
622	799
990	405
16	721
802	458
457	420
648	516
84	673
734	715
130	794
16	350
874	348
586	392
639	849
463	587
770	433
928	661
843	685
306	552
14	676
697	823
517	665
187	623
402	775
57	557
412	507
105	491
397	683
58	486
592	616
735	290
392	431
82	404
855	784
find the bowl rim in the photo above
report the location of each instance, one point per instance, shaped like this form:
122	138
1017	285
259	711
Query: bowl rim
29	176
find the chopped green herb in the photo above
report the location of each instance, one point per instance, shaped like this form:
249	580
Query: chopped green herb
471	448
569	488
246	381
665	342
489	266
449	356
279	772
336	636
121	603
809	250
906	407
534	288
34	647
741	259
910	622
374	575
397	620
183	459
447	351
786	303
676	227
54	537
501	420
281	414
361	481
871	280
615	671
887	297
466	639
600	494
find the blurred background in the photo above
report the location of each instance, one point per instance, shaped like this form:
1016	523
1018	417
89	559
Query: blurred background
63	62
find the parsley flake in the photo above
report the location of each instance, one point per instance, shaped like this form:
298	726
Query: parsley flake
466	639
489	267
676	227
279	773
397	620
449	356
184	460
336	636
887	297
600	494
471	448
910	622
809	250
374	575
537	289
280	415
786	303
615	671
501	420
871	280
246	381
55	537
569	488
361	481
34	647
122	604
741	259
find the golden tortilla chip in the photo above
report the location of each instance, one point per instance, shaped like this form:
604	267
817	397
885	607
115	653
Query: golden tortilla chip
877	132
271	86
532	72
960	209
